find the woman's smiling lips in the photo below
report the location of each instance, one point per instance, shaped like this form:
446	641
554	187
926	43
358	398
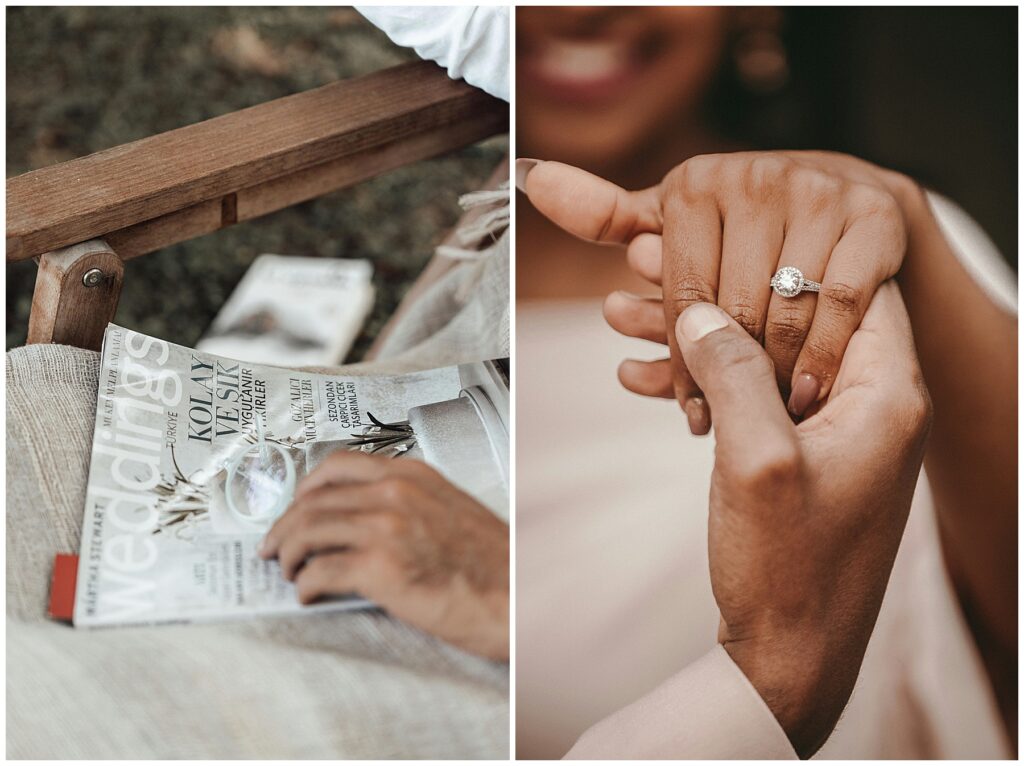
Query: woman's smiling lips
576	71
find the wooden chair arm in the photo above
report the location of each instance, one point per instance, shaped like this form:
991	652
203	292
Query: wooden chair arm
177	185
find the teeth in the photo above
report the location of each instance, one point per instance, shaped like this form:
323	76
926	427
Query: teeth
583	61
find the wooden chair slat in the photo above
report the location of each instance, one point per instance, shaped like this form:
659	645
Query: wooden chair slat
186	182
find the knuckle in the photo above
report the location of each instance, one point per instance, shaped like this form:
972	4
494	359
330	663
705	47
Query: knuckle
909	416
770	167
824	358
887	209
881	206
620	221
773	469
395	490
874	200
764	176
688	288
842	298
820	191
696	176
786	330
747	315
920	408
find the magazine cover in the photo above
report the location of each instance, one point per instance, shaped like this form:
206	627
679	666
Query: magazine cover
195	455
293	311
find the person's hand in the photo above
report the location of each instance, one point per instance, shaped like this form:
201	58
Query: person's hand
715	230
399	534
805	520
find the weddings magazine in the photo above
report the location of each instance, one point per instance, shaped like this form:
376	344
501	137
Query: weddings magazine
194	456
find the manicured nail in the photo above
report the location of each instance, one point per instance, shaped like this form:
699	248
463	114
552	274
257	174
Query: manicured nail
698	416
523	168
700	319
805	393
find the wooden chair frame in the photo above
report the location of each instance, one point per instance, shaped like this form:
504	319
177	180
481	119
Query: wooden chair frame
83	218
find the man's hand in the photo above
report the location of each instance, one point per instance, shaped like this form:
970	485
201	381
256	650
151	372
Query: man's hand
805	520
399	534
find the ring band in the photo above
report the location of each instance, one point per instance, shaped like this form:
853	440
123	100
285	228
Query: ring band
789	282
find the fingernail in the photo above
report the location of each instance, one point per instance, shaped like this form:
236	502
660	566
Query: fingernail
262	548
698	416
523	168
700	319
805	393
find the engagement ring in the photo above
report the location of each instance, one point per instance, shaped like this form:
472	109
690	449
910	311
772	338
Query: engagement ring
789	282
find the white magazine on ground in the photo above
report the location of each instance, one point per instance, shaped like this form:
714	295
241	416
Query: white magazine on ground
293	311
195	455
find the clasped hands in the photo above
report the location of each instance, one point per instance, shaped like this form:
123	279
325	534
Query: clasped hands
819	405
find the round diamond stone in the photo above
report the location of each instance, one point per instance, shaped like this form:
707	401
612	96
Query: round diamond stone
787	281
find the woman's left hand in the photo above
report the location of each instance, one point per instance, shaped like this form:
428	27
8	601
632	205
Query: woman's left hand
715	230
399	534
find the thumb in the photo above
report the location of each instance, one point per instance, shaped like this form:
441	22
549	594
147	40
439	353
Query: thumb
737	379
586	205
881	352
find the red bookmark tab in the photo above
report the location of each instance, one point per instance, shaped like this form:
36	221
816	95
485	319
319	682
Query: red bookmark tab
62	588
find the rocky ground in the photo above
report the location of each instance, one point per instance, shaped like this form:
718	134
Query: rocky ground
84	79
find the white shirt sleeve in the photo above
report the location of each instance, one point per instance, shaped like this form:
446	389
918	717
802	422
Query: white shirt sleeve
472	42
707	710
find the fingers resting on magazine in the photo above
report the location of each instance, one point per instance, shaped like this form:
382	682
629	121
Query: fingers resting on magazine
396	532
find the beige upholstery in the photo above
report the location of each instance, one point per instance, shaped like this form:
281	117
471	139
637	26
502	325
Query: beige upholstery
352	685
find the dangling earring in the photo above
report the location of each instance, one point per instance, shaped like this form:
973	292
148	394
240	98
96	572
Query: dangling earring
761	60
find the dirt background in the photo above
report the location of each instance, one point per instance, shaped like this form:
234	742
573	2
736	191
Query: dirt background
80	80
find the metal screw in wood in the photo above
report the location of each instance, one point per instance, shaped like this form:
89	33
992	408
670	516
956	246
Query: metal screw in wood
92	278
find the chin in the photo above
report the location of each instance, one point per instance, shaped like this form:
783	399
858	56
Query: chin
589	144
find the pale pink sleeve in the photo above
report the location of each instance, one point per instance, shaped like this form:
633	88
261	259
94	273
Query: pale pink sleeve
707	710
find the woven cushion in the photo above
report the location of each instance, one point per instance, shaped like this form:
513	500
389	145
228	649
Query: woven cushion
350	685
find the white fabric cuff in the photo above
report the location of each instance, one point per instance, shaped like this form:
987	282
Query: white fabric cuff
707	710
471	42
976	252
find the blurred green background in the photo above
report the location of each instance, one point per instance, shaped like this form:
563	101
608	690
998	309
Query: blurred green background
84	79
